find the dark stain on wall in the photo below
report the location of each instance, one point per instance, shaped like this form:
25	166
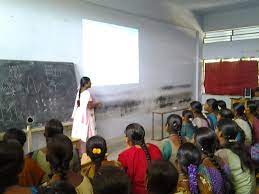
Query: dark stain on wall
170	87
168	100
124	107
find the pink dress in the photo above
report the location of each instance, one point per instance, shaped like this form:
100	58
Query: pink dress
84	120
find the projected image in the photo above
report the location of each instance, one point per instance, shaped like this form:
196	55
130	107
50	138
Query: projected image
110	53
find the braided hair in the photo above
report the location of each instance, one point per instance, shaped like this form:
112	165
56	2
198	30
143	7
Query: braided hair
230	132
11	162
96	149
189	158
83	81
174	125
136	134
59	154
206	141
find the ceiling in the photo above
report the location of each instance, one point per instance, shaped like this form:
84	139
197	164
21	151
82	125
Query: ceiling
208	6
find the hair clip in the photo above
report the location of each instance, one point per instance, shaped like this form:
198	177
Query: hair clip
232	140
97	151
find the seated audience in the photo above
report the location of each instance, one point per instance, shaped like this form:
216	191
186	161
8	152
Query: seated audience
242	121
96	149
187	126
136	157
216	170
237	158
221	104
11	165
111	180
162	178
59	155
199	119
53	127
190	180
31	174
211	106
171	145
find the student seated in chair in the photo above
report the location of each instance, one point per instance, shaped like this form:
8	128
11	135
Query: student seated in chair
31	174
52	128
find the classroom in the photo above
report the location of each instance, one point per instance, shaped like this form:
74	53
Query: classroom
129	96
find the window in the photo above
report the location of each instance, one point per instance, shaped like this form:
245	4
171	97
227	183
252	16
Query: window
232	35
110	53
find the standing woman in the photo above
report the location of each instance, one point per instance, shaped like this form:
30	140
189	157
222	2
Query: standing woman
83	114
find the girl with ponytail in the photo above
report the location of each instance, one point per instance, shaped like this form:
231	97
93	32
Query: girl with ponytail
190	180
215	169
236	156
83	114
59	155
170	145
96	149
137	156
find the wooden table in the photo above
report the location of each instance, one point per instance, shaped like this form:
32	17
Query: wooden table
162	112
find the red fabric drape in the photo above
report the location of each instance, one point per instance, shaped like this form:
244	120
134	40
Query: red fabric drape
230	78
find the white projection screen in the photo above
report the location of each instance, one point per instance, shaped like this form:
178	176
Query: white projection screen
110	53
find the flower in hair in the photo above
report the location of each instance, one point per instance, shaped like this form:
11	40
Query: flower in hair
97	151
192	172
232	140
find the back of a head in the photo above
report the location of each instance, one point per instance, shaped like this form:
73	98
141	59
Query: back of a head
221	104
59	187
226	114
189	158
213	103
11	162
174	124
230	132
96	148
135	133
16	134
188	114
196	106
239	109
84	80
59	153
111	180
53	127
205	140
162	177
228	127
188	154
252	107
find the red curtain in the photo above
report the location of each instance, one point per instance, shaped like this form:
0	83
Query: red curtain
230	78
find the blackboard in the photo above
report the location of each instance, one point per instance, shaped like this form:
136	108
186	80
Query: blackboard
42	90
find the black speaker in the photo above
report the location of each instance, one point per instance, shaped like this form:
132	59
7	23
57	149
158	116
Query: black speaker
248	93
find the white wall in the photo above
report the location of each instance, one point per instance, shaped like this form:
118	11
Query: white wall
234	18
51	30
